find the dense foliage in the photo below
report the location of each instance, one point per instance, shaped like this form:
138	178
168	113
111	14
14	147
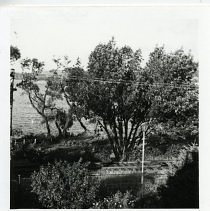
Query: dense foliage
125	96
124	99
120	94
64	185
14	53
117	201
182	189
175	93
121	106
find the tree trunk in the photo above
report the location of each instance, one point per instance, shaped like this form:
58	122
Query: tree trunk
66	126
112	142
81	124
59	129
48	127
64	133
116	153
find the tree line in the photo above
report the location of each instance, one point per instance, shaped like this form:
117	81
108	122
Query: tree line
119	93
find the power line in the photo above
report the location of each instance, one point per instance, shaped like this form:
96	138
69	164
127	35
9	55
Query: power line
114	81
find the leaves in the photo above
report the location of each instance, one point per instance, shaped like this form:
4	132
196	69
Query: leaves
14	53
65	186
176	104
39	100
113	93
117	201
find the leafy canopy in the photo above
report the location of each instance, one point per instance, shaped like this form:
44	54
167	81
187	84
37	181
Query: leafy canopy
176	104
113	94
124	95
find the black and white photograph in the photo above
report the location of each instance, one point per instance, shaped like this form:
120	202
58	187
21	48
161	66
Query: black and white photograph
104	107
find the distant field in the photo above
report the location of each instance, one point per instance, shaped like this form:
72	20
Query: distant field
27	119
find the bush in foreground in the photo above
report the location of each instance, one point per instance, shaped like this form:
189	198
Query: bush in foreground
117	201
182	188
65	186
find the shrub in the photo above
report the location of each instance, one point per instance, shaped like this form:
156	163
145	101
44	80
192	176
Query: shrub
102	150
65	186
103	156
182	188
183	156
116	201
17	132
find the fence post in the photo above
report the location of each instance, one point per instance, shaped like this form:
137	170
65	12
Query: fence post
19	179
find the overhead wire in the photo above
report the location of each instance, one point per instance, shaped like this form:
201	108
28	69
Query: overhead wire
114	81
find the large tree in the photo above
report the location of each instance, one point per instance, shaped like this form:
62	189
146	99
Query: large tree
114	95
174	80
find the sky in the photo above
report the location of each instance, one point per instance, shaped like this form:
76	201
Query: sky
47	32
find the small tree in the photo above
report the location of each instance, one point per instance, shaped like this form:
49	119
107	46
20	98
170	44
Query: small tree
39	99
73	91
14	53
67	81
65	186
63	120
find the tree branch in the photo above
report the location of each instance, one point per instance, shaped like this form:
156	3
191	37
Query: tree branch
31	101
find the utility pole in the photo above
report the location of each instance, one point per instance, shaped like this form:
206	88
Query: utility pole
12	89
144	128
142	165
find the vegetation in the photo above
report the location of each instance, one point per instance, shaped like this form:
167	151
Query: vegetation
176	107
39	101
182	188
67	84
14	56
117	201
120	94
44	101
64	185
119	106
125	95
14	53
123	99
